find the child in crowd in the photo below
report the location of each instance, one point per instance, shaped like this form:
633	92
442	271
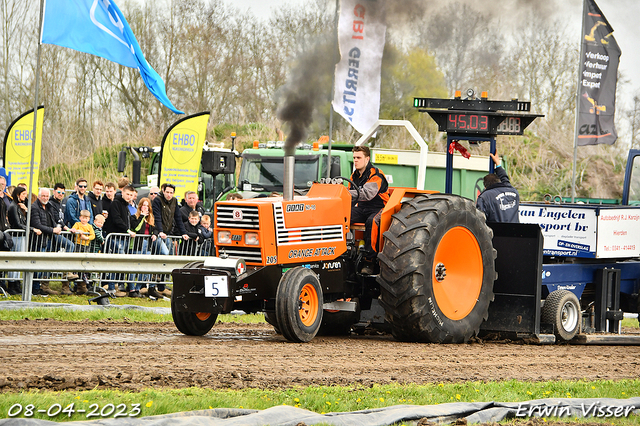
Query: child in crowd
205	227
188	247
96	244
84	231
206	234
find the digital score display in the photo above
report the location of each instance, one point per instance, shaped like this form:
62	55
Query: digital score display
483	124
510	126
468	123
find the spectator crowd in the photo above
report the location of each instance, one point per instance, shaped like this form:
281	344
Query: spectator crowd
106	218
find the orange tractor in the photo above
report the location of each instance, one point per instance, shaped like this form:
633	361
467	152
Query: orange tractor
296	259
441	275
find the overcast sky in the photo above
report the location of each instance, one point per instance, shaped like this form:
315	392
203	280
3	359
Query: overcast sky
623	15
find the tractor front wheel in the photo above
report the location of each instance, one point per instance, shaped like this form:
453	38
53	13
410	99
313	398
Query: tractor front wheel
192	323
437	269
299	305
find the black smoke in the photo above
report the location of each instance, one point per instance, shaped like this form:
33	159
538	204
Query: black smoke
308	85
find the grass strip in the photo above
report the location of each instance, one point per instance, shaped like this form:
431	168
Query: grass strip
111	314
320	399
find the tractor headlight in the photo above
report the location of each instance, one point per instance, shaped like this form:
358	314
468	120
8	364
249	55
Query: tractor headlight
224	237
251	239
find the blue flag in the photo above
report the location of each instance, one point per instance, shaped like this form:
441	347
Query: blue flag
98	27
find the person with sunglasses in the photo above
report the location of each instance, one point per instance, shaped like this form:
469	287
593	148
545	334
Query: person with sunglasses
77	202
154	191
57	202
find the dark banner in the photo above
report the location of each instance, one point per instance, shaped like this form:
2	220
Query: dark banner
598	79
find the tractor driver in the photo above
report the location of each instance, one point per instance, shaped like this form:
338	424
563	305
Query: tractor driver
373	195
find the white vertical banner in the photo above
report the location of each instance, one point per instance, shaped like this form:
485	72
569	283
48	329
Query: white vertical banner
361	38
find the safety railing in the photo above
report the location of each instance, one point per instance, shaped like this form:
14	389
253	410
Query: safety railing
65	244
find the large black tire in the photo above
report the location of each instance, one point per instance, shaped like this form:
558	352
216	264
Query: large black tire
299	305
437	269
562	309
192	323
338	323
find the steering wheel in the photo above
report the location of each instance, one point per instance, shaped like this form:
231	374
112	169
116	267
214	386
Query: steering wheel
353	185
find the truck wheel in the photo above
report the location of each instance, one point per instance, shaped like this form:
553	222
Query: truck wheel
338	323
437	269
192	323
270	318
299	305
562	309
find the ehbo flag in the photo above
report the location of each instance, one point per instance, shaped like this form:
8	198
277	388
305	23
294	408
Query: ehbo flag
361	35
598	78
99	28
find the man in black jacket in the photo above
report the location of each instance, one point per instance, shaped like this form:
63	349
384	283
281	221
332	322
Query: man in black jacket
190	204
48	234
56	202
95	197
167	216
499	201
118	222
44	221
118	218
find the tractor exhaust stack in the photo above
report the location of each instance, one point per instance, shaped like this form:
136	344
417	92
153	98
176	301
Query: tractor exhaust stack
287	185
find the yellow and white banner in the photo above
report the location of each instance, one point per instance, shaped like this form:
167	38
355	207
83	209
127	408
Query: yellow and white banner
361	36
18	146
181	153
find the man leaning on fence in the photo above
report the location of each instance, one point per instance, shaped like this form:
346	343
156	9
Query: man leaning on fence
47	234
117	227
167	216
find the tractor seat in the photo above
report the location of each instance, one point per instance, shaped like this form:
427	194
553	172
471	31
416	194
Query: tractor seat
357	227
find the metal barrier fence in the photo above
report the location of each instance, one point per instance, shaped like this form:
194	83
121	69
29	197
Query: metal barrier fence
123	244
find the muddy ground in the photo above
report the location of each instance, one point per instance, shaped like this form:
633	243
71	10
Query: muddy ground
56	355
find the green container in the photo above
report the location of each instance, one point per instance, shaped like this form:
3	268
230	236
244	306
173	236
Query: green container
400	167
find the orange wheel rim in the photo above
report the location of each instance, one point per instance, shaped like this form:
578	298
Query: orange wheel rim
203	316
308	305
457	273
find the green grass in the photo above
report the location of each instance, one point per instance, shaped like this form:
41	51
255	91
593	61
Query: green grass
112	314
322	399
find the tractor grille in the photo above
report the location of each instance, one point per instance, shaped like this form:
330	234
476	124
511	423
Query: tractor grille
249	254
227	217
308	234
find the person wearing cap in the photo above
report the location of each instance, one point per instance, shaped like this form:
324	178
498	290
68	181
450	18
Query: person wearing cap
499	201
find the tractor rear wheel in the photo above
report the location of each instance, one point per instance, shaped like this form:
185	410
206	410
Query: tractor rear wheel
437	269
299	305
192	323
562	309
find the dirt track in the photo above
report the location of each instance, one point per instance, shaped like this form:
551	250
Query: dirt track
48	354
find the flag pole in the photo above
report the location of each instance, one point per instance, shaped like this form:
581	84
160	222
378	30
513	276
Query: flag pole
26	290
577	121
333	89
